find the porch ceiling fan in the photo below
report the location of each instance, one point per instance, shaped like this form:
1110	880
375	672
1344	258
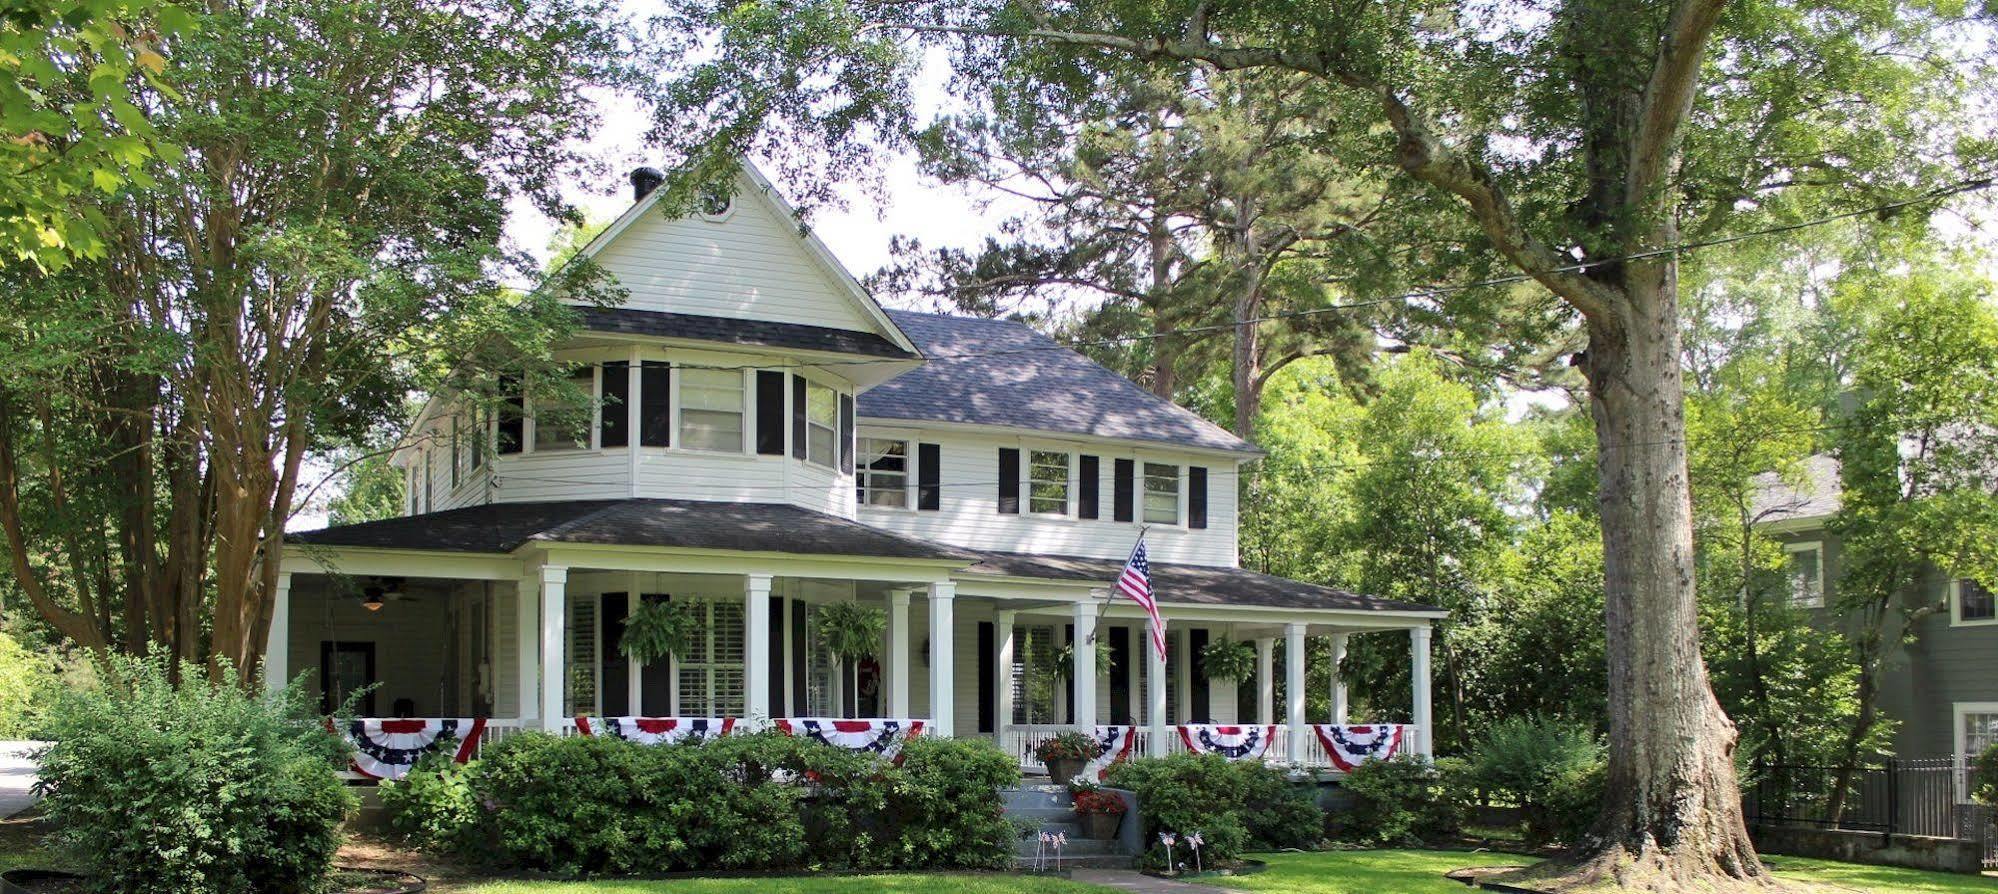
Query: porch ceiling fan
380	589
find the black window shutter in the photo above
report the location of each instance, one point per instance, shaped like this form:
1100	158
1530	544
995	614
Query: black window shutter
1196	640
615	429
846	434
777	656
988	678
512	416
1085	504
798	416
1196	496
616	682
1121	490
655	404
656	699
1068	635
798	632
769	412
1009	480
929	476
1120	676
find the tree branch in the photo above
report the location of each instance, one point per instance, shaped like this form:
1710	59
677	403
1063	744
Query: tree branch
1668	97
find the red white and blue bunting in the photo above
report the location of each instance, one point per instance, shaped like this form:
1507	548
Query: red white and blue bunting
1351	746
388	748
657	730
1236	743
1113	745
882	737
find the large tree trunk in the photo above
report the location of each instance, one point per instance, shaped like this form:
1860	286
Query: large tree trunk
1672	817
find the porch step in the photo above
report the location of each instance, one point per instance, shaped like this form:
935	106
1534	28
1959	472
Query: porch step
1072	861
1025	848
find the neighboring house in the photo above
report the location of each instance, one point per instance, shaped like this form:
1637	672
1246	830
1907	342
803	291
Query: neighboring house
1942	683
769	441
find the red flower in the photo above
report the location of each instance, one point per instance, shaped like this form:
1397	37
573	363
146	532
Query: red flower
1098	802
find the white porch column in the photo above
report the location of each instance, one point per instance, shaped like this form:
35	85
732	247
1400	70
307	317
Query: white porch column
527	636
1265	679
1156	745
1338	714
1293	688
1084	655
277	641
756	648
1002	676
899	658
554	657
1418	673
943	659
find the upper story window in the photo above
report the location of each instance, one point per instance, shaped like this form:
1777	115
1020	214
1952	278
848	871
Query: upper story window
821	424
1047	482
883	475
1161	494
1806	572
563	425
1971	603
711	409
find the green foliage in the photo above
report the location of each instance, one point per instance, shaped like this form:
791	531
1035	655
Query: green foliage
1553	769
1236	807
1067	745
192	788
1984	784
29	687
850	630
763	801
433	806
659	628
372	490
1403	800
1228	659
1060	663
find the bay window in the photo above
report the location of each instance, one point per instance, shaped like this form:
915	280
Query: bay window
821	425
711	409
564	422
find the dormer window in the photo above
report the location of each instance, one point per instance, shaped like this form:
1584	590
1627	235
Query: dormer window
711	409
1047	482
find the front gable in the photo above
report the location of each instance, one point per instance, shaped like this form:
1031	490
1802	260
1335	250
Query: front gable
751	262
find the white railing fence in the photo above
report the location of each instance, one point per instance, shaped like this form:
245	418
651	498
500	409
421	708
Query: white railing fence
1019	740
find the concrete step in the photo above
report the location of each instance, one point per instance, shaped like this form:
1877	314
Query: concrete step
1062	814
1072	861
1077	847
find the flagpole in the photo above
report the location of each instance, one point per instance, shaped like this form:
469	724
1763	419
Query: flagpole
1110	593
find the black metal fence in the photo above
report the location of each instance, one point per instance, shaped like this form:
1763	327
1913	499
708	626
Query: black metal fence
1897	797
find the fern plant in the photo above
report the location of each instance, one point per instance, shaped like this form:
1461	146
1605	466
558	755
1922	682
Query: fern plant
851	632
1228	659
1061	663
656	630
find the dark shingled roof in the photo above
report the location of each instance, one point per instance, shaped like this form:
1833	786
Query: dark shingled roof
746	527
999	372
1194	584
762	333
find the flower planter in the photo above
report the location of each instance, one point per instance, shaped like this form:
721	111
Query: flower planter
1101	826
1063	769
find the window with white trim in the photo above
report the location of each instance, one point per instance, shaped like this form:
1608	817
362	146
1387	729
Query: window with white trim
1805	568
583	685
711	410
821	425
1171	678
882	475
821	670
1161	494
1976	732
1034	680
561	425
1971	603
711	681
1047	482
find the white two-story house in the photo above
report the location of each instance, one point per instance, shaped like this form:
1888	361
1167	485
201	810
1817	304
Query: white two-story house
769	440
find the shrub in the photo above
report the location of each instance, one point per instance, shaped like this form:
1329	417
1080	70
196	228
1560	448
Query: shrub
946	807
1235	806
30	683
1984	785
1403	800
1552	769
1066	746
433	806
193	787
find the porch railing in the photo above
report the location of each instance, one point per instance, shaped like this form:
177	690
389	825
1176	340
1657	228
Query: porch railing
1020	740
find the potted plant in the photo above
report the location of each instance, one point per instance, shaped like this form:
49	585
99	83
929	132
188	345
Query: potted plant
851	632
657	629
1061	662
1100	810
1065	754
1228	659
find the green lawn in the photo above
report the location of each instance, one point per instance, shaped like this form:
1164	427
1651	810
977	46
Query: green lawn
1421	872
956	883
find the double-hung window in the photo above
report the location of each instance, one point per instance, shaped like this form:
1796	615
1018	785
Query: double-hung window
711	682
1971	603
821	425
711	409
1161	494
1806	573
1047	482
883	476
561	423
1976	732
1034	676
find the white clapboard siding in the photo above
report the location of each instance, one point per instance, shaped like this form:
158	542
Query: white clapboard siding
969	514
748	264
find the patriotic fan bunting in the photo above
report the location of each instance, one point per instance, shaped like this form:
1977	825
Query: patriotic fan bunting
1350	746
1113	745
882	737
657	730
1236	743
387	749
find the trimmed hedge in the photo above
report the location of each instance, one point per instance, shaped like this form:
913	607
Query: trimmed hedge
584	805
1405	800
1236	807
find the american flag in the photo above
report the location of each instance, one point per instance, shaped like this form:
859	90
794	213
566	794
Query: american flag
1136	582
